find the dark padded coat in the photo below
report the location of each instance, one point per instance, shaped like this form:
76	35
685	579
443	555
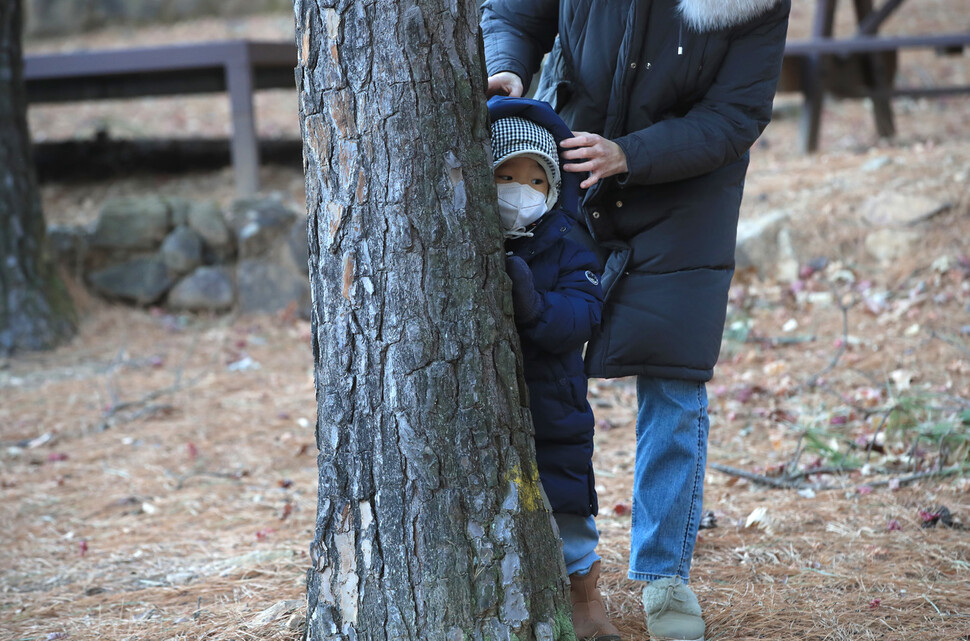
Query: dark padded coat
566	277
685	88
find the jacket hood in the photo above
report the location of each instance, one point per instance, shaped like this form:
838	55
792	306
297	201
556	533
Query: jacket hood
542	114
711	15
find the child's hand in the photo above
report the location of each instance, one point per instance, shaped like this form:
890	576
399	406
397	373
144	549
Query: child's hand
601	157
525	299
504	83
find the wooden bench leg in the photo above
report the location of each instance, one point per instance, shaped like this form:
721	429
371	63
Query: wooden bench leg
876	70
243	145
812	82
882	109
811	119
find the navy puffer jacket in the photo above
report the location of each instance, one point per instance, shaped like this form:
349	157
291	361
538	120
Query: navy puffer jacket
685	87
566	277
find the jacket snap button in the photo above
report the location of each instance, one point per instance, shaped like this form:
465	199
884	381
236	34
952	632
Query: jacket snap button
648	66
562	229
633	65
596	214
619	203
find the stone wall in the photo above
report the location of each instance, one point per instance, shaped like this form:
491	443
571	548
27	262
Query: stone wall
191	256
56	17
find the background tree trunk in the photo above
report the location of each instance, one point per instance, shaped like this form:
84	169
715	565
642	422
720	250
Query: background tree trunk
431	524
35	308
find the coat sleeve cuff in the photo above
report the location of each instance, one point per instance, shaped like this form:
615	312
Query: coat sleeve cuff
637	161
512	66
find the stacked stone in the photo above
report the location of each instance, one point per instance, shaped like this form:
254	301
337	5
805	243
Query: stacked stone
188	256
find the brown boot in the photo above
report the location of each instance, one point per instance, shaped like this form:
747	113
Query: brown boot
589	613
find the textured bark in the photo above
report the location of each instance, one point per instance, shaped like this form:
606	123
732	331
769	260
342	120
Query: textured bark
35	309
431	523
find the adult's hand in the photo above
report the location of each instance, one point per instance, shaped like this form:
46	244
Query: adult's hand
504	83
601	157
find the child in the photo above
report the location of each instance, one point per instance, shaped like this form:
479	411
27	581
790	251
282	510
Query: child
557	301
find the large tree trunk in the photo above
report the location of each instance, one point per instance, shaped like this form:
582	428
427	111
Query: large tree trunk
431	523
35	309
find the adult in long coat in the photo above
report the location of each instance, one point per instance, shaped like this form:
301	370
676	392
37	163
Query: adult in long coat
664	97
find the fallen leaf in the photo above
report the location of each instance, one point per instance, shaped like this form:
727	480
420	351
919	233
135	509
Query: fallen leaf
902	378
758	518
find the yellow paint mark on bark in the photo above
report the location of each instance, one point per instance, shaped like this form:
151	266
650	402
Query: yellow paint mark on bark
349	264
527	484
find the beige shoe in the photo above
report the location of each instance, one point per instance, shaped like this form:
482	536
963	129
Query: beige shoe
673	613
589	614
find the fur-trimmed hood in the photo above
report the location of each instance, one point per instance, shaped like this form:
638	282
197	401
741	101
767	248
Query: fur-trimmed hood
711	15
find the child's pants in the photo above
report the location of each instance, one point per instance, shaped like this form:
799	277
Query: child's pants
579	539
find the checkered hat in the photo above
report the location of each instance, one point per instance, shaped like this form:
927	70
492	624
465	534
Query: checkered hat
514	136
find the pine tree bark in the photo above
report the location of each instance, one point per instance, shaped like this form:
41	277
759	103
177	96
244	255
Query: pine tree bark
431	524
35	309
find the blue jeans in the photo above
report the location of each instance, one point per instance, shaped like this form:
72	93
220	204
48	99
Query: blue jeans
668	477
579	539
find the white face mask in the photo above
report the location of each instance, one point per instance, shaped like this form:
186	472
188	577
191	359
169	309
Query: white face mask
519	206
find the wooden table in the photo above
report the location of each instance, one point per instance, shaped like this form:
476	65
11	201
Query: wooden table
859	66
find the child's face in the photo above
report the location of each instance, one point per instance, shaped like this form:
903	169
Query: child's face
525	171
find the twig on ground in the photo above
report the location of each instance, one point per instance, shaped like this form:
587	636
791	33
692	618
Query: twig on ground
790	482
903	480
180	479
844	308
756	478
933	604
143	405
875	435
793	463
952	342
820	470
775	341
